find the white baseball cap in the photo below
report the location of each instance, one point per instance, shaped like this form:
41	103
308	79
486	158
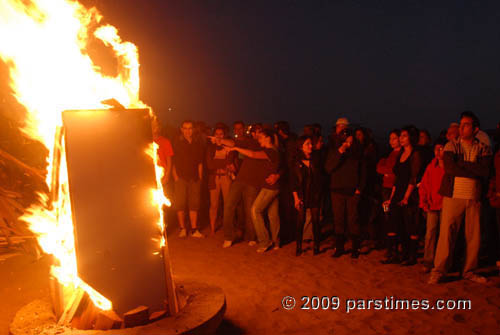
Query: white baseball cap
343	121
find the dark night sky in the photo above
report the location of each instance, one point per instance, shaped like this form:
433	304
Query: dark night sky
381	63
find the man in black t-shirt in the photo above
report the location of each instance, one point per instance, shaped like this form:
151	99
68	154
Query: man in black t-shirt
187	172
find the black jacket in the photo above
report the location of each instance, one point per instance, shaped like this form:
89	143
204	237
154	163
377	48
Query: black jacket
311	194
347	171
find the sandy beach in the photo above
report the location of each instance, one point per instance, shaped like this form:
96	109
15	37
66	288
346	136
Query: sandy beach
256	284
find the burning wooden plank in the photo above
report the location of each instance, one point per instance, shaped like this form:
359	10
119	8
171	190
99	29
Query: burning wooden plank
99	219
172	299
56	163
57	297
31	170
71	307
86	315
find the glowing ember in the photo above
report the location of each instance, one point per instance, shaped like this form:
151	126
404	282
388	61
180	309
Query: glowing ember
44	44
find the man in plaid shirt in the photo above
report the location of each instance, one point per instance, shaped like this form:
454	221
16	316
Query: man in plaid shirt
466	163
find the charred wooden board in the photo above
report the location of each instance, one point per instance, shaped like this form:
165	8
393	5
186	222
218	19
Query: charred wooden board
108	320
137	317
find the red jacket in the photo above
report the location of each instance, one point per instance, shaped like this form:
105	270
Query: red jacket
430	199
165	150
384	167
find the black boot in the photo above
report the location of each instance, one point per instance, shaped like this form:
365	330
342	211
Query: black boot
405	249
298	250
412	253
392	251
339	246
316	237
316	249
355	247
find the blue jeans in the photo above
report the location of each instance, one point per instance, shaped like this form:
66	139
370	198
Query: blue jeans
266	199
238	192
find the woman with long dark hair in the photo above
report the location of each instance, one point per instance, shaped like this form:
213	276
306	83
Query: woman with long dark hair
385	169
306	185
403	202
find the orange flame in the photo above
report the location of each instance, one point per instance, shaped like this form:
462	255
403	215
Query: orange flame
157	195
44	43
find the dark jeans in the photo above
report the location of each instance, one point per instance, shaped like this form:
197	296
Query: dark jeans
287	214
369	210
403	220
301	219
239	192
345	209
386	224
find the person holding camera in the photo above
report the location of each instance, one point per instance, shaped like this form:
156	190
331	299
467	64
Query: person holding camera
346	168
220	166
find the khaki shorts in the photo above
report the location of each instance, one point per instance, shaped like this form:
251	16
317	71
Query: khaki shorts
187	192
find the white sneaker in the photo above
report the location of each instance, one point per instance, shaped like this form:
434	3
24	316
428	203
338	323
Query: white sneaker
475	278
183	233
252	243
227	244
197	234
264	249
435	278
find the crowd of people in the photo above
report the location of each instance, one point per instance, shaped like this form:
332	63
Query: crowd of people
277	187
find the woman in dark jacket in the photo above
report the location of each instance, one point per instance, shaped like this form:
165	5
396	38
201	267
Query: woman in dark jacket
306	185
403	203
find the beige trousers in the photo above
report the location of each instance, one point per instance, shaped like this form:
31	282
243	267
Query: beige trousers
451	218
222	184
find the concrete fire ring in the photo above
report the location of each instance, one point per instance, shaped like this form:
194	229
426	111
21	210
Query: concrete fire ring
202	314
